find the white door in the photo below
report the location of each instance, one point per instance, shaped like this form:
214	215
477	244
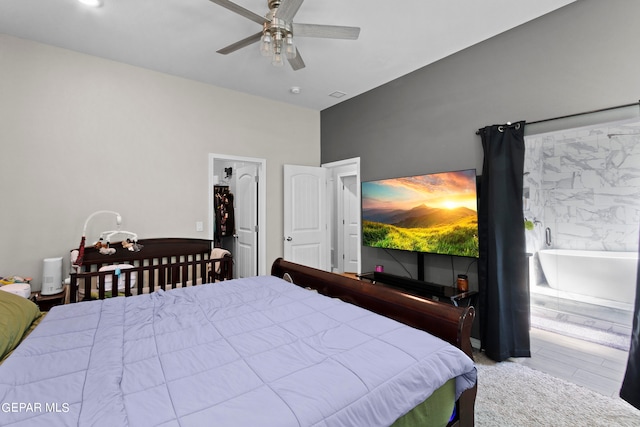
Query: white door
246	201
350	224
306	233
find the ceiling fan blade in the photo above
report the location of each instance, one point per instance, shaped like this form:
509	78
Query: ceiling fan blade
297	62
240	10
288	9
240	44
325	31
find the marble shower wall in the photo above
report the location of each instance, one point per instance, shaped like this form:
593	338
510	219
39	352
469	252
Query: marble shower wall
533	197
584	184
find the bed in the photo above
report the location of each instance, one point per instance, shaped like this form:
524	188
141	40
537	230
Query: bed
270	351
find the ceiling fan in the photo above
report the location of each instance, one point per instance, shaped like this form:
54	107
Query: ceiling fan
278	30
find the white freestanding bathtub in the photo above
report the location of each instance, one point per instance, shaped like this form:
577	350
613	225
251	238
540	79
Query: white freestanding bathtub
599	274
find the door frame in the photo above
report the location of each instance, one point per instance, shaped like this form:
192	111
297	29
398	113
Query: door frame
338	170
262	201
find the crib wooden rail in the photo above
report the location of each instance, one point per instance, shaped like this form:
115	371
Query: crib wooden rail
164	263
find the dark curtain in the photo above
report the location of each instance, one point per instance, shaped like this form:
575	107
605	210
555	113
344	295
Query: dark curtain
502	265
631	384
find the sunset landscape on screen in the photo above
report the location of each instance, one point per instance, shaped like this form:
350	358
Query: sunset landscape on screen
435	213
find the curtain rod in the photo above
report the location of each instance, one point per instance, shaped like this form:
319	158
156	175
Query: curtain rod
579	114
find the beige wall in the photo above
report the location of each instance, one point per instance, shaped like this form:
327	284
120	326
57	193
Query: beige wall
79	134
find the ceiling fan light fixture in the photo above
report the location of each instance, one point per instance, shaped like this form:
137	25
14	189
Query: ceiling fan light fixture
277	60
277	35
290	47
277	40
266	46
277	43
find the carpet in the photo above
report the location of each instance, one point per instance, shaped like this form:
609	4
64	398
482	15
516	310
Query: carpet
512	395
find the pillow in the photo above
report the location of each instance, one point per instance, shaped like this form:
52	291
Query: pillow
16	315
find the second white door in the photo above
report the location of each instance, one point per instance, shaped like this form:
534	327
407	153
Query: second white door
306	233
350	230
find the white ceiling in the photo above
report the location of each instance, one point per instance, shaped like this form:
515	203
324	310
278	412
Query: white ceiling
181	37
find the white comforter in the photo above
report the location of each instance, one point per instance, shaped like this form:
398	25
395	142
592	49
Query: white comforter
249	352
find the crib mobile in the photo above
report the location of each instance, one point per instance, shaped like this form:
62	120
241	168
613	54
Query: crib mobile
130	243
102	245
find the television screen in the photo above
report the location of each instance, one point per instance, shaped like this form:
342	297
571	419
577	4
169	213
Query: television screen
434	213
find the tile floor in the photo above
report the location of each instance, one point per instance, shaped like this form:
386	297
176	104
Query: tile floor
587	364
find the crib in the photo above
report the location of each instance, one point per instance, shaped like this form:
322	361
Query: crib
162	263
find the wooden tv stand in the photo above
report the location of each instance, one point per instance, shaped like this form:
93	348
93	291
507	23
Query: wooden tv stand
433	291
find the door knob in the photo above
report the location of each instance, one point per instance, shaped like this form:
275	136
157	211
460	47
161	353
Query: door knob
289	239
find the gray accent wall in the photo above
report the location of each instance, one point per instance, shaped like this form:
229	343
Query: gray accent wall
579	58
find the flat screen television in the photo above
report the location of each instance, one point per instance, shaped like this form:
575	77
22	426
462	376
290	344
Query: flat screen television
432	213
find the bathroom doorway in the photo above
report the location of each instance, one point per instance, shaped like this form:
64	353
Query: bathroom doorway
581	219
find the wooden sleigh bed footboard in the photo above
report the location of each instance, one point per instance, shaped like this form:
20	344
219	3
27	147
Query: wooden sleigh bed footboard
452	324
163	263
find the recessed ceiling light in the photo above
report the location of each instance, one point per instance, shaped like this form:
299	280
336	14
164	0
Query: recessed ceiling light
337	94
92	3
